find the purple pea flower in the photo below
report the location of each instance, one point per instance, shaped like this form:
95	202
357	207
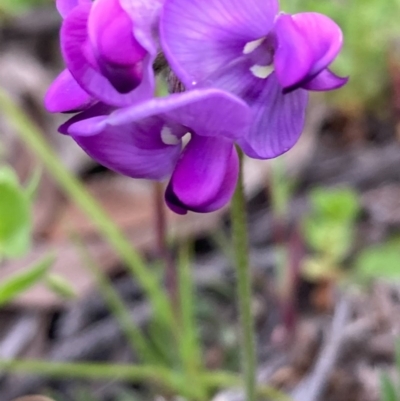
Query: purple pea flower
147	141
109	47
269	59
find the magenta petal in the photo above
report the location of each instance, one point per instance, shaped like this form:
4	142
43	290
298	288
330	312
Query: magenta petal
278	121
64	7
125	150
207	112
74	43
326	80
199	37
66	96
306	44
118	54
205	176
96	110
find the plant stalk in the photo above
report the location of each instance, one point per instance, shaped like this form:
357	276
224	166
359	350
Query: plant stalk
243	277
162	247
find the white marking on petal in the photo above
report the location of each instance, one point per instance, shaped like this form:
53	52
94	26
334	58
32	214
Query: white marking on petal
168	137
186	138
262	71
249	47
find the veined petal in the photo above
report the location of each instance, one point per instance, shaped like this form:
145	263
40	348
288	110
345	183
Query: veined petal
205	176
306	44
278	121
326	80
117	52
74	43
145	18
64	7
66	96
199	37
135	149
207	112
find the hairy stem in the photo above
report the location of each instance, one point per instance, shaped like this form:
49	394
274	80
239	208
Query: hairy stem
243	277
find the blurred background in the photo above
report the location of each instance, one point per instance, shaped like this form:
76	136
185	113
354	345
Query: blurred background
77	292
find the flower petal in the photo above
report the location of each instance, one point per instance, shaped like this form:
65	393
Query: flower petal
306	44
326	80
145	17
135	150
74	43
66	96
278	120
117	52
97	110
205	176
207	112
199	37
64	7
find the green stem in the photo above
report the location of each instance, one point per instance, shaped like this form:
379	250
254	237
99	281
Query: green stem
243	277
173	381
31	135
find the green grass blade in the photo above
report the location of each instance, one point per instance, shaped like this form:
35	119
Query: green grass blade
189	341
118	308
20	282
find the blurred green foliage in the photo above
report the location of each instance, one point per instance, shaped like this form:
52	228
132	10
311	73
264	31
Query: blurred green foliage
379	262
370	28
390	387
20	282
329	230
15	216
14	7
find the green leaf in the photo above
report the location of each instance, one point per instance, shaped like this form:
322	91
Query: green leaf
8	175
329	237
382	261
20	282
388	390
339	204
60	286
15	216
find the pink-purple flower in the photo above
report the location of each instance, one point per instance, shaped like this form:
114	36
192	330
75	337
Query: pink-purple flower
147	141
108	54
269	59
246	69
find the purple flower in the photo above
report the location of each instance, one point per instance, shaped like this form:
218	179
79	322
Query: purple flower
269	59
109	47
147	141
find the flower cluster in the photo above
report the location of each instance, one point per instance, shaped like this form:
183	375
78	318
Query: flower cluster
245	67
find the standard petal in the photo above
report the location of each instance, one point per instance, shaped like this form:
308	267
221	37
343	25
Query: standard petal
199	37
205	176
127	151
64	7
326	80
278	121
66	96
306	44
206	112
76	52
